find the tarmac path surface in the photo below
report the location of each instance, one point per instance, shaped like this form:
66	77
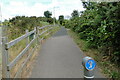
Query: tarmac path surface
60	57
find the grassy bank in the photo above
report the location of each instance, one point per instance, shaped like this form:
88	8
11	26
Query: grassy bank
109	69
15	50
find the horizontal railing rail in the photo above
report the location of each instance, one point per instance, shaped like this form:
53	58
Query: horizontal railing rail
10	65
7	66
44	31
45	26
13	42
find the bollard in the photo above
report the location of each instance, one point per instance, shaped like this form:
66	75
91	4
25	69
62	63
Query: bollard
89	65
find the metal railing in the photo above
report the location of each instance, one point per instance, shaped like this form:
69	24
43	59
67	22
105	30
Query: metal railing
6	65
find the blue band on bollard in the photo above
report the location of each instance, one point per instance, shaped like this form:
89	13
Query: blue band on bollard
90	64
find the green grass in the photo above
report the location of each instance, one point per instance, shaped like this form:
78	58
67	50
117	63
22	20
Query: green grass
13	33
108	68
16	49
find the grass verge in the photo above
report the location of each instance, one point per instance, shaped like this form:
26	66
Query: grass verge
16	49
110	70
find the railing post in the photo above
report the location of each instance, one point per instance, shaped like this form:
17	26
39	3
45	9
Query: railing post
27	39
89	65
5	59
35	35
35	32
38	32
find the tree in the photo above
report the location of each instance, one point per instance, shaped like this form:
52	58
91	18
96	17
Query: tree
47	14
75	13
61	19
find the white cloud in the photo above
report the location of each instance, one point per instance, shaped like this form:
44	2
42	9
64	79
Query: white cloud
19	7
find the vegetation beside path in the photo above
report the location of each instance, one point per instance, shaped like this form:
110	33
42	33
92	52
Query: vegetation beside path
98	28
107	68
16	27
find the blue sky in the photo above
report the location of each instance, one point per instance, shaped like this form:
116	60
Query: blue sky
11	8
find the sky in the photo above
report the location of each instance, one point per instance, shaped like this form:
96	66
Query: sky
11	8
